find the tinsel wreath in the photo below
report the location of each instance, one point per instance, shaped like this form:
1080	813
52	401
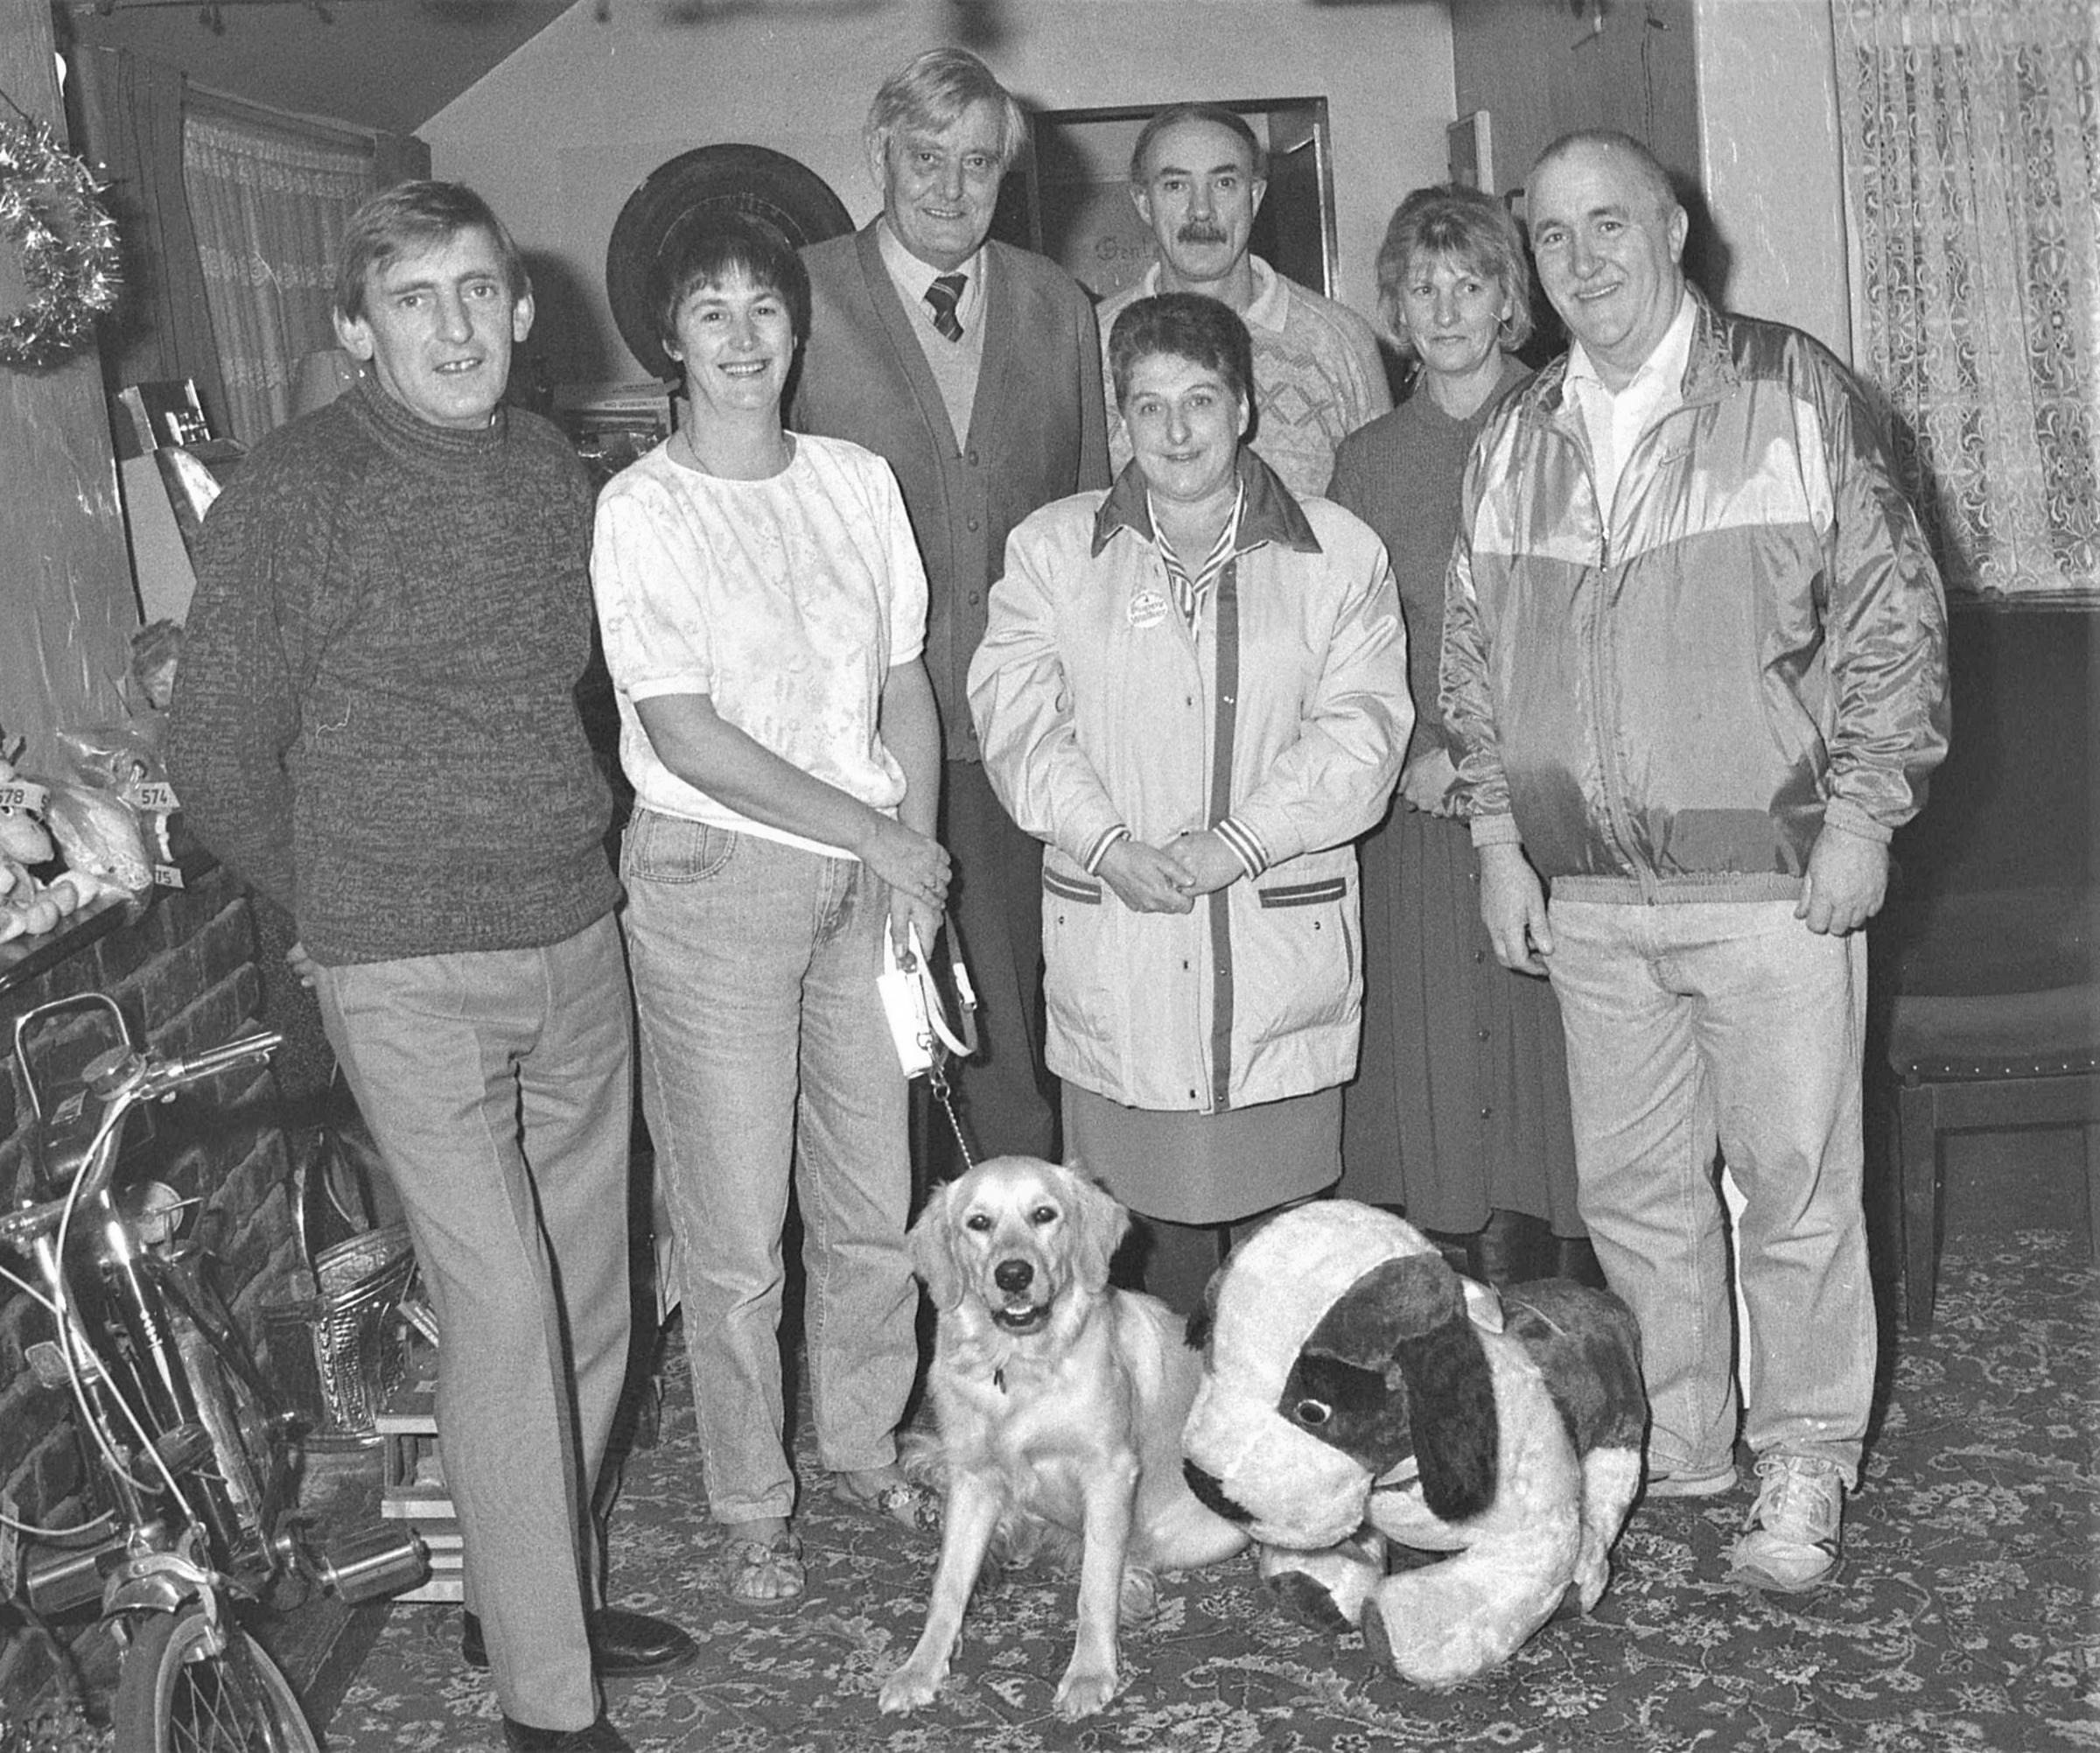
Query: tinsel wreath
50	210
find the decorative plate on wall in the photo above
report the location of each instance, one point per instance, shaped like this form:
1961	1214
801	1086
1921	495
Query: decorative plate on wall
688	191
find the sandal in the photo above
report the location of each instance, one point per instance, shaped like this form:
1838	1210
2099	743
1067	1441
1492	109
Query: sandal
906	1504
765	1573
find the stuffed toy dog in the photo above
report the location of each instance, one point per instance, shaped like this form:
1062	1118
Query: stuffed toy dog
1357	1391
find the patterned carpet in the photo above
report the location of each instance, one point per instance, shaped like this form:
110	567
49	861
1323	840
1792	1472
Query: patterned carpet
1967	1615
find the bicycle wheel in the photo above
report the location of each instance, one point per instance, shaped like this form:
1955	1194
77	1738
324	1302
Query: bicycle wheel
176	1694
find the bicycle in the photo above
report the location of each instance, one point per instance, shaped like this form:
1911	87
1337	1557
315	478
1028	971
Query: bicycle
198	1465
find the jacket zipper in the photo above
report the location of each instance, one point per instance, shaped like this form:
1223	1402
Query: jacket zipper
1624	841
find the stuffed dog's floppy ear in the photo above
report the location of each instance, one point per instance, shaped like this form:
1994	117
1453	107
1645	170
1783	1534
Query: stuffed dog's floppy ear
932	1259
1415	1317
1099	1224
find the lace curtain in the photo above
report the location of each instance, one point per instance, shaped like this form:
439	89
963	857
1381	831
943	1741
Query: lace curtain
1973	162
269	206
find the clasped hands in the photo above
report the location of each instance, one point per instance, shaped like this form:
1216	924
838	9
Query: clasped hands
1149	879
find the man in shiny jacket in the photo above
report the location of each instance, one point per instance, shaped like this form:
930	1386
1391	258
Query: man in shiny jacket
1694	667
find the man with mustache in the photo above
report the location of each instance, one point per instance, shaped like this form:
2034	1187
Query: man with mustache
1198	176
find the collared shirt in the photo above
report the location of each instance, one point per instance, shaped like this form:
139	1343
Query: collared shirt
954	363
1192	589
914	277
1615	419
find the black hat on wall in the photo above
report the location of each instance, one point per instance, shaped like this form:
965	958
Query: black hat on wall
691	190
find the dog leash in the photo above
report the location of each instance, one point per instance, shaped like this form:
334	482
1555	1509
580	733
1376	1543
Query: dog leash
936	1080
939	1042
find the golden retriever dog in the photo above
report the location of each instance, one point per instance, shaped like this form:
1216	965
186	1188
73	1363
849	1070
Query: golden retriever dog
1060	1403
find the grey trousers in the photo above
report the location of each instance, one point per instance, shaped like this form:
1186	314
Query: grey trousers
497	1086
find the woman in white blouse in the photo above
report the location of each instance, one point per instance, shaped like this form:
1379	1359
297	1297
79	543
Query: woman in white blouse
763	608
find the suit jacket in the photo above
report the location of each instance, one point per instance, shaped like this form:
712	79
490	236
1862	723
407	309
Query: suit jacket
1038	428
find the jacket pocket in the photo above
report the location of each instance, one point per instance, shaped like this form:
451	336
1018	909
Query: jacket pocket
660	848
1326	890
1086	891
1296	957
1084	975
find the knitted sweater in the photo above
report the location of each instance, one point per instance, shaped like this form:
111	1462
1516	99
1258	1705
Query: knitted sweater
374	717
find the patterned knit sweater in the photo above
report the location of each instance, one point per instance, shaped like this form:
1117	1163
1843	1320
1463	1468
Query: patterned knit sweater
375	719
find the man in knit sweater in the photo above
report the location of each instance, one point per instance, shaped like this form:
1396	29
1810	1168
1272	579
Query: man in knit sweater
374	724
1198	176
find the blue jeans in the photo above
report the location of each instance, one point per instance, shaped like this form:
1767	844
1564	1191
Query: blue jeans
765	1054
1731	1027
498	1085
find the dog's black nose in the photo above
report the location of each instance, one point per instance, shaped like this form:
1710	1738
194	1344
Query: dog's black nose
1211	1495
1012	1276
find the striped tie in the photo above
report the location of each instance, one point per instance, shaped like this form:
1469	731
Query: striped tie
941	298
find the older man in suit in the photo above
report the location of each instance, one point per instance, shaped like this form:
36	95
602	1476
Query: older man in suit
974	369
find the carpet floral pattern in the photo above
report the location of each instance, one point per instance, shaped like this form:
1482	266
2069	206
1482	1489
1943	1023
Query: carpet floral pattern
1963	1622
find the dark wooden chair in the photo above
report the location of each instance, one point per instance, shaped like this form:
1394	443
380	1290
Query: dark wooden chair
1985	1014
1995	1024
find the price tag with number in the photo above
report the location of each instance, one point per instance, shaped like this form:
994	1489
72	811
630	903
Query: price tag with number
22	794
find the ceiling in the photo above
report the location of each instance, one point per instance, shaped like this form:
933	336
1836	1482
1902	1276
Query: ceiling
387	65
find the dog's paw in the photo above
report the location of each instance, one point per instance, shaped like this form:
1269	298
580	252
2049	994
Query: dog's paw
1084	1690
910	1686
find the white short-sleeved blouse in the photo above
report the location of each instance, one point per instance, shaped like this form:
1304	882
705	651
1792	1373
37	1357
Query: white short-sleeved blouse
785	601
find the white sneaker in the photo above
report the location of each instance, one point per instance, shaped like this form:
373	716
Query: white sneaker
1791	1539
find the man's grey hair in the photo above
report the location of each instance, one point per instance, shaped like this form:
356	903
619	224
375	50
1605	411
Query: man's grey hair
1646	166
933	89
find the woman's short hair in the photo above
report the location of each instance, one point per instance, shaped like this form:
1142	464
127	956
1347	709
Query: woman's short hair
1190	326
414	216
933	89
714	252
1472	228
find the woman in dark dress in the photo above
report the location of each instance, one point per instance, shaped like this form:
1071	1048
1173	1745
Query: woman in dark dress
1459	1115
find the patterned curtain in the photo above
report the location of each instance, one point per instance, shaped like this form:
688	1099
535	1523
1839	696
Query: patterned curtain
269	205
1972	163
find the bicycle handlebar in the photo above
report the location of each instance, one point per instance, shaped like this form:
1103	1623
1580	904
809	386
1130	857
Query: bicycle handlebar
121	1080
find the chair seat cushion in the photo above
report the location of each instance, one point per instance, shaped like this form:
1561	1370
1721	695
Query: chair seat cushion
2001	984
1998	1035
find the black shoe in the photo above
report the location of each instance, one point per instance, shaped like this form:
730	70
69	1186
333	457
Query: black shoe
1573	1258
1507	1250
621	1643
600	1737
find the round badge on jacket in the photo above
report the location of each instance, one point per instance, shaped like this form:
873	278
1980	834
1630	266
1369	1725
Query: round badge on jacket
1147	610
